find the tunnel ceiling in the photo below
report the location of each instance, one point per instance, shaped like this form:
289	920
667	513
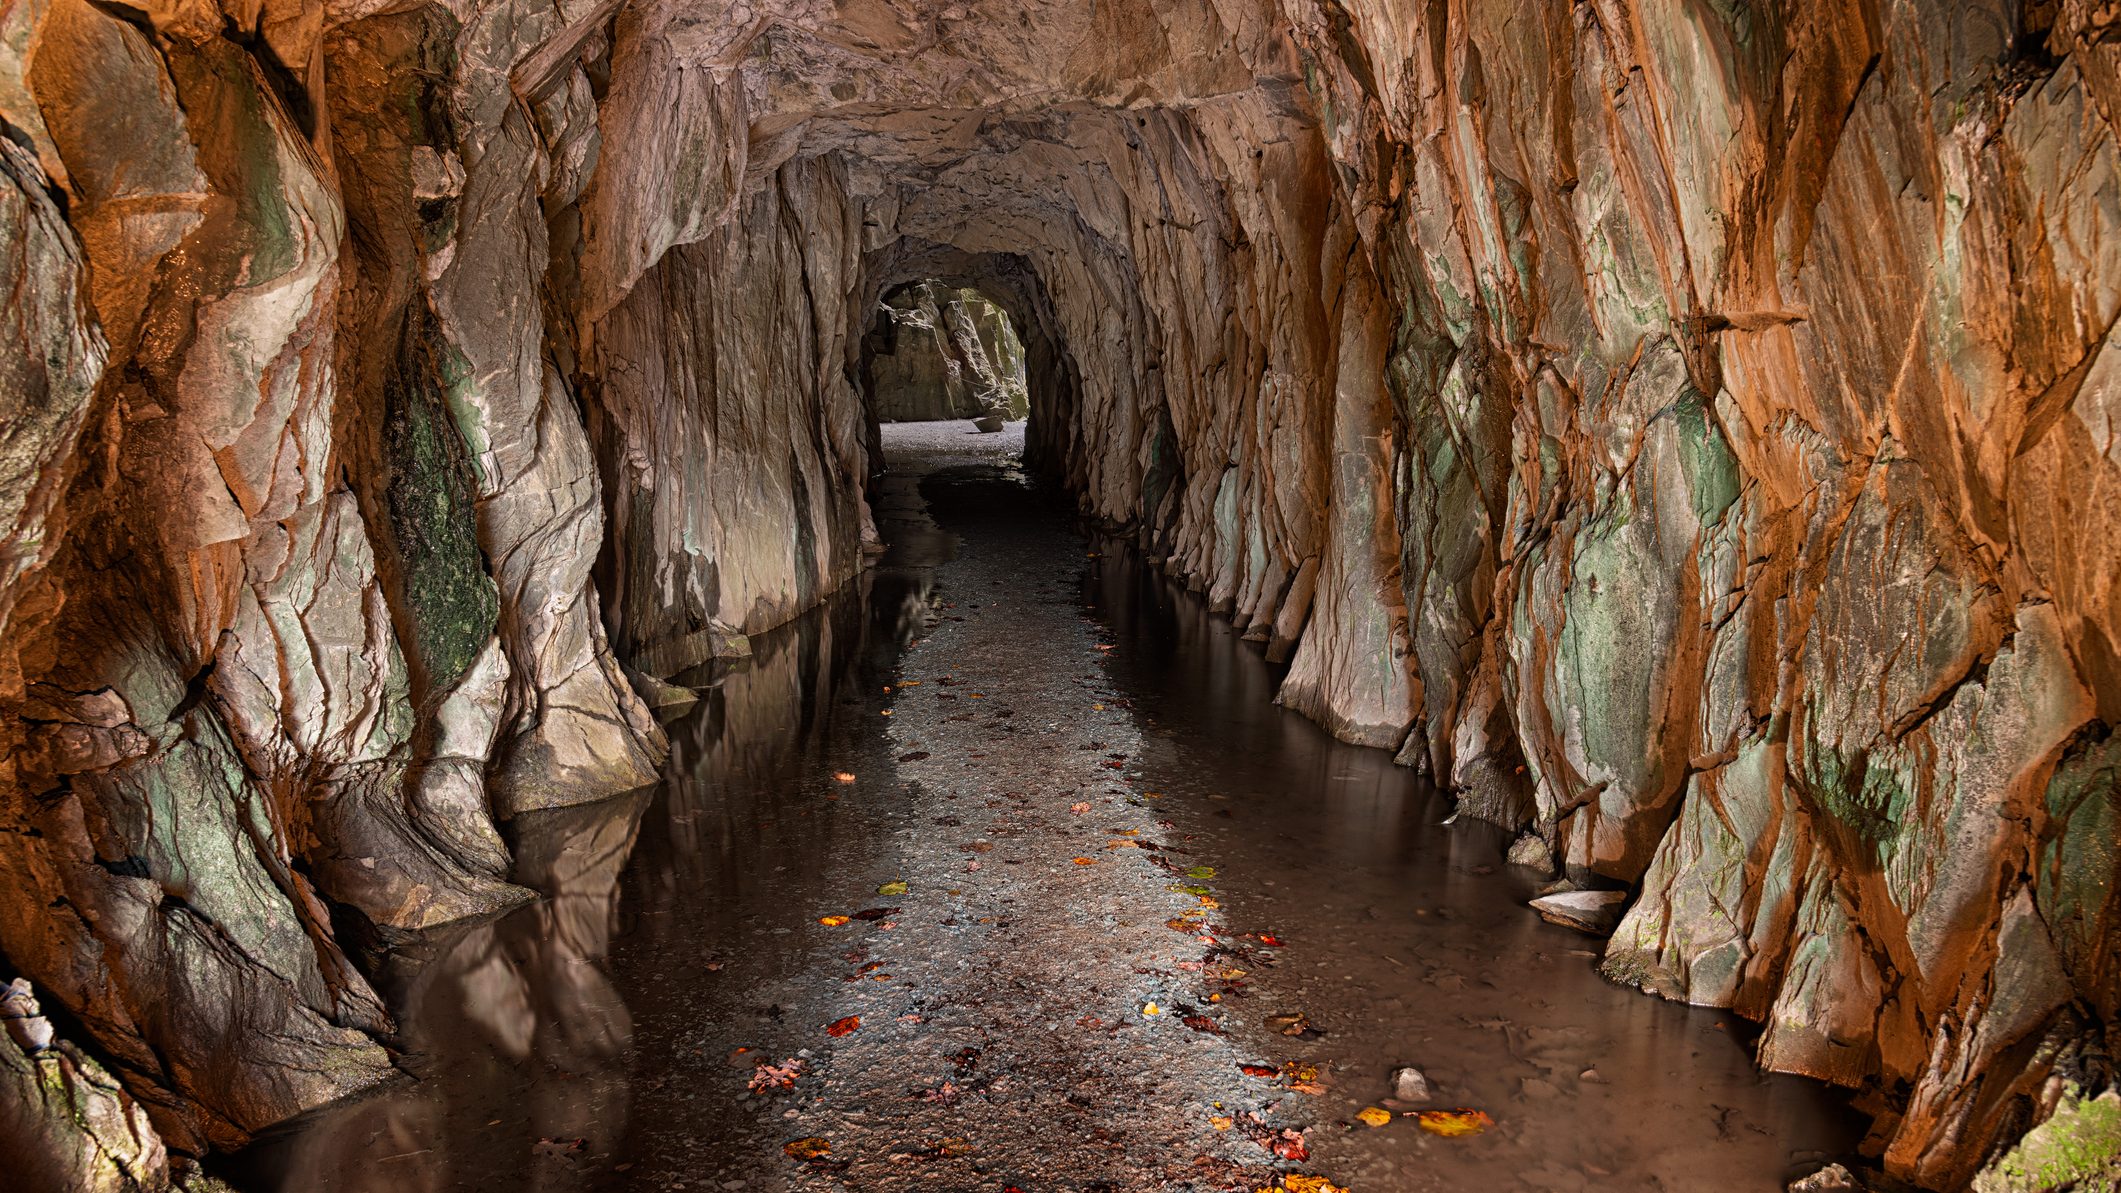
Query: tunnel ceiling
1685	430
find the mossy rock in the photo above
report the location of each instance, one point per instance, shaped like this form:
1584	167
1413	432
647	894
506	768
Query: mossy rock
2077	1150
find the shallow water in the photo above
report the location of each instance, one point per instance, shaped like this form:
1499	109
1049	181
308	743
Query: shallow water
603	1037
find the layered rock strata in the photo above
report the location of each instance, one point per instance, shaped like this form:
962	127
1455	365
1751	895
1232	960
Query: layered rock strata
1691	431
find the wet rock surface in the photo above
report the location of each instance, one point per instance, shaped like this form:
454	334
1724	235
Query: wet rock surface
1686	432
922	948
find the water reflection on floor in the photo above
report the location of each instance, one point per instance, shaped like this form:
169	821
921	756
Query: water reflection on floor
560	1047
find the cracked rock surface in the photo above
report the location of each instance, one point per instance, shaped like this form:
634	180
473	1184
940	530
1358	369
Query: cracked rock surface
1690	432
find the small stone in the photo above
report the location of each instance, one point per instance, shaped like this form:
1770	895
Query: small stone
1531	850
1593	912
32	1032
1831	1179
1409	1084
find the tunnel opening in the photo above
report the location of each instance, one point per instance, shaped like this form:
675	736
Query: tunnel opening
938	352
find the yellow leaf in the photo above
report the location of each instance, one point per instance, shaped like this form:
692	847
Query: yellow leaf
1375	1116
1453	1124
807	1148
833	921
1297	1182
1222	1122
892	888
1150	1008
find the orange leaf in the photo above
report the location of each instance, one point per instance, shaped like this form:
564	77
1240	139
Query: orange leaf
1452	1124
833	921
841	1027
1085	861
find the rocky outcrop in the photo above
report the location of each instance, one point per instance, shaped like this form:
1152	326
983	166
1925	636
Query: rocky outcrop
1687	431
288	624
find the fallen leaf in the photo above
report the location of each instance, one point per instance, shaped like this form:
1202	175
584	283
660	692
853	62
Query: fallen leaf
1117	843
841	1027
807	1148
1150	1008
875	913
1079	809
1202	1023
1454	1124
1375	1116
1084	861
771	1076
1221	1122
561	1148
892	888
833	921
1297	1182
1302	1078
1272	942
1201	872
1259	1070
843	776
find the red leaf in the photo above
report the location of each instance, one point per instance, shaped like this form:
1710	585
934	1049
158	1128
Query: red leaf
841	1027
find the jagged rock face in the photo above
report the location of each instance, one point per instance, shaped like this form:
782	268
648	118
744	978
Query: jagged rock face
1693	432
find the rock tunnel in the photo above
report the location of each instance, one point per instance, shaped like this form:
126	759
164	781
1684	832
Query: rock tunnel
1676	443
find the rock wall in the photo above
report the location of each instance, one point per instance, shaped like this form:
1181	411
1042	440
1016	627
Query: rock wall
300	518
1688	430
1757	486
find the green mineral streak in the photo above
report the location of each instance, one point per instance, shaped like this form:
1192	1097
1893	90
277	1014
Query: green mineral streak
2083	857
2077	1148
1602	642
456	382
1868	798
1711	470
453	601
261	201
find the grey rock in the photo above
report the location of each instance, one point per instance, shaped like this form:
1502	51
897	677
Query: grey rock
1593	912
1409	1084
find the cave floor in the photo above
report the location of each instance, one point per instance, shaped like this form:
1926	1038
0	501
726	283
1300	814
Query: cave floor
1121	862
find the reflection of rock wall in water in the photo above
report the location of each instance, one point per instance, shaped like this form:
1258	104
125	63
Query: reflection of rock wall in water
1689	430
